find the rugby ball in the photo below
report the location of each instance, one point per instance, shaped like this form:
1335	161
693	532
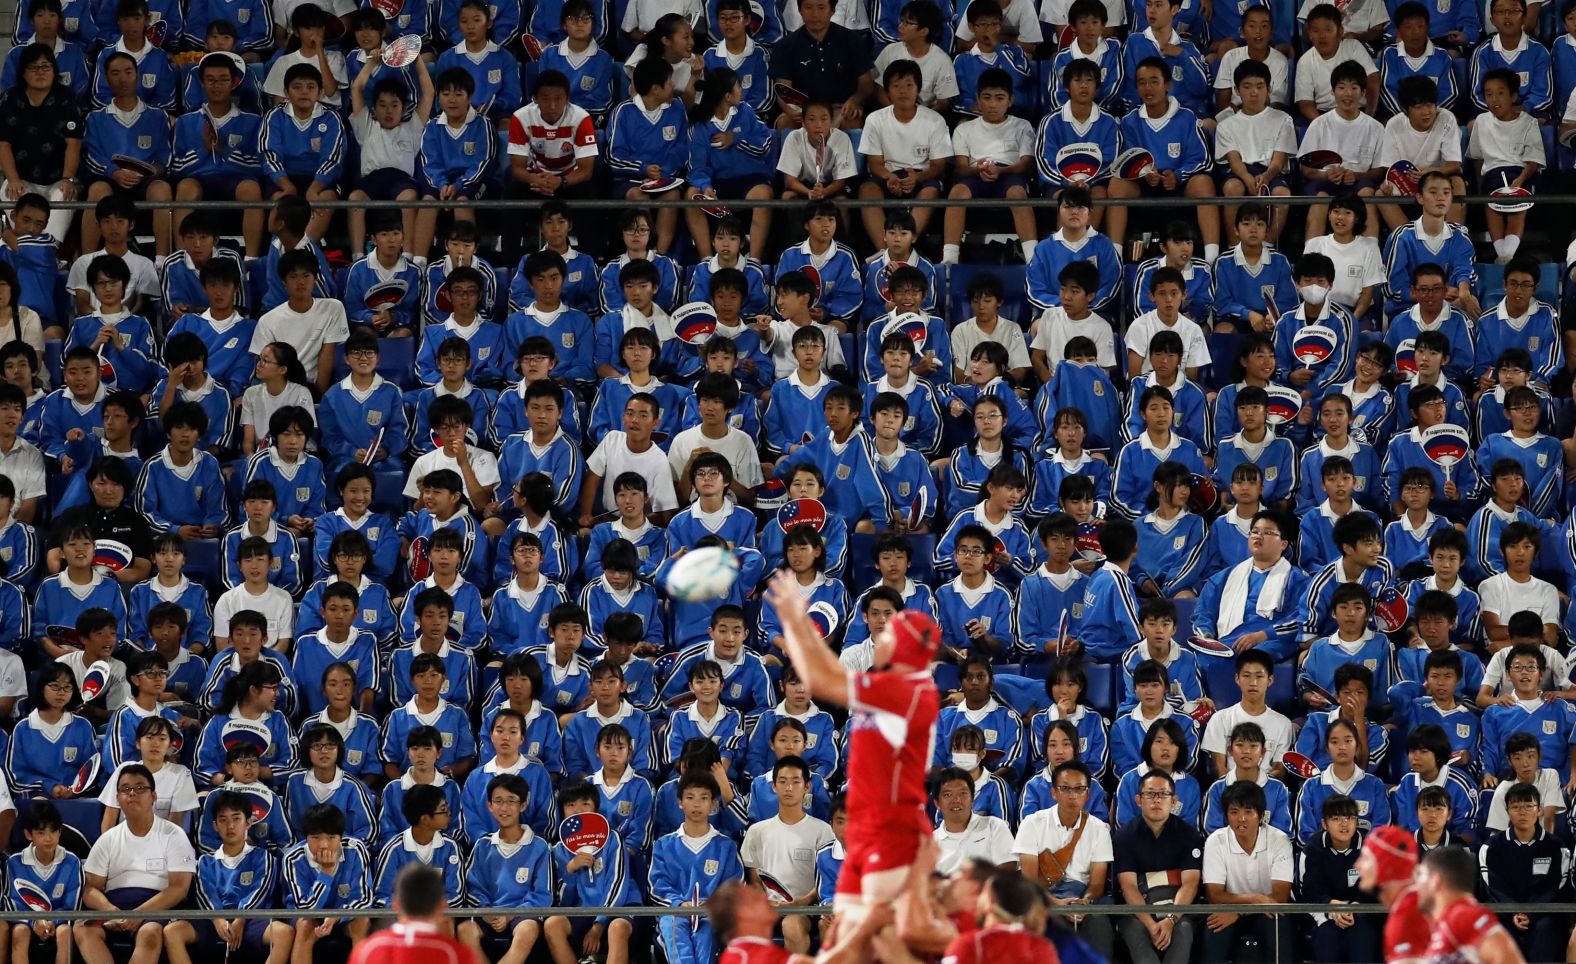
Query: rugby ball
702	574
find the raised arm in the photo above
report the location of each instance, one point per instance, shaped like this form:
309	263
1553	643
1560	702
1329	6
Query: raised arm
815	662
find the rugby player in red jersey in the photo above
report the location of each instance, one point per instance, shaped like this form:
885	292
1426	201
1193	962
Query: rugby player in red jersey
741	915
1009	899
892	728
419	936
1465	932
1386	867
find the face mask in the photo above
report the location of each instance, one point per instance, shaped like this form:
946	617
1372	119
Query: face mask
965	761
1314	294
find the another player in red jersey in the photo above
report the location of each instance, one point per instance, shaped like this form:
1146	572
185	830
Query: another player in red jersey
742	916
419	936
1386	867
1004	939
892	728
1465	932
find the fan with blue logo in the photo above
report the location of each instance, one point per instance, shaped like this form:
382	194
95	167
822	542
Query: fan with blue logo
95	681
1079	162
825	618
87	776
1300	765
239	731
260	805
111	556
1284	406
770	494
1406	357
910	323
32	896
1391	610
884	278
813	273
1134	163
1403	177
385	294
1320	160
158	32
1313	344
585	833
107	376
695	322
1446	444
802	512
1203	495
1209	646
1087	542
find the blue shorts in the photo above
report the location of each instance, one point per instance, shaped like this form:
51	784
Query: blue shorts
221	187
1496	178
208	938
1322	186
997	189
474	193
1224	173
301	181
138	193
387	184
129	898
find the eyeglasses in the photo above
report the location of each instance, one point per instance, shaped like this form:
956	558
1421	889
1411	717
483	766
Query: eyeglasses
1265	533
1075	791
1521	285
135	791
1428	289
366	353
503	802
155	673
1156	794
968	551
708	473
1524	667
441	812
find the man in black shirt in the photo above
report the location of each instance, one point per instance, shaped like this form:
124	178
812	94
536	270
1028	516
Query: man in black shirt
1158	860
827	63
110	517
1526	865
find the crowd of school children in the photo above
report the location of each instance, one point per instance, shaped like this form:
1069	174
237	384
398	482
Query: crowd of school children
330	545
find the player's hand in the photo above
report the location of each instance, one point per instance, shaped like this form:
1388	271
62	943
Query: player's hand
852	111
957	408
221	927
237	932
783	593
67	464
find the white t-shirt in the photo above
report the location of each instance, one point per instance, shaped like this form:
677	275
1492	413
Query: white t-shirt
985	837
737	447
1440	144
1279	733
173	788
13	680
1357	141
910	146
1549	789
144	276
643	14
124	859
274	83
387	148
306	331
613	458
24	466
1058	12
1498	143
1255	136
258	406
482	462
1358	264
1005	143
115	690
1504	597
786	852
781	348
1313	72
1555	676
937	78
274	604
967	337
1225	862
1054	330
1280	75
1018	19
1043	831
1195	350
834	161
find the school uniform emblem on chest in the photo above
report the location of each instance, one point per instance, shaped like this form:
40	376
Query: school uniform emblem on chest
1099	389
1178	542
69	754
149	80
353	757
1271	472
625	808
1543	460
495	76
303	493
1463	730
470	148
374	417
344	890
1176	77
710	868
522	874
1549	727
144	143
990	736
197	492
1532	343
372	533
317	143
903	490
448	738
843	472
245	879
587	83
243	15
670	132
235	141
1174	149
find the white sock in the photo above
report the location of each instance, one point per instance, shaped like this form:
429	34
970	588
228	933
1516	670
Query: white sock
1028	250
1211	252
949	254
1505	247
418	261
1512	244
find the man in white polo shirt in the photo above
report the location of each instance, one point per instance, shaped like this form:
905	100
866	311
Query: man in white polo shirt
1247	862
965	835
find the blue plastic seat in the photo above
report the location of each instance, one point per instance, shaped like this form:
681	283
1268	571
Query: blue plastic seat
1102	687
203	561
1015	300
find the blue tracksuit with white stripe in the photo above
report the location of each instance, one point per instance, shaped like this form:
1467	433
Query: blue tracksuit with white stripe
19	554
284	569
916	595
1539	457
936	342
71	64
1181	665
379	531
650	542
726	729
1190	415
1484	558
1043	598
825	593
1197	302
274	293
676	404
842	286
438	272
1550	723
1056	252
963	480
1328	654
422	524
459	157
34	261
793	416
450	720
1311	740
1406	451
445	16
540	810
877	274
253	21
1023	425
61	880
580	736
1490	418
1435	64
299	485
495	72
1406	326
518	619
991	603
215	401
350	419
1099	134
568	329
733	522
682	872
211	748
1024	549
1086	387
1129	729
1373	801
1409	247
750	155
443	855
1004	733
132	353
307	887
1240	287
1463	800
1342	360
1366	466
314	148
637	138
922	430
1108	56
501	874
559	459
489	364
755	301
579	291
315	653
247	880
1316	546
906	481
120	735
142	132
1108	623
211	694
35	763
155	76
560	557
1276	797
361	743
600	601
1189	76
270	832
595	78
746	686
612	300
820	746
1170	551
854	490
172	496
1133	477
606	883
391	822
303	791
1537	331
368	271
1531	64
1318	614
459	683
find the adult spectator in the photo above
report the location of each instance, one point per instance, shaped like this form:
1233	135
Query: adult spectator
111	516
1158	860
828	63
1247	863
142	865
965	835
41	128
1068	850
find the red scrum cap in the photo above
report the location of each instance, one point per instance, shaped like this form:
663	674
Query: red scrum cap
916	637
1394	851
